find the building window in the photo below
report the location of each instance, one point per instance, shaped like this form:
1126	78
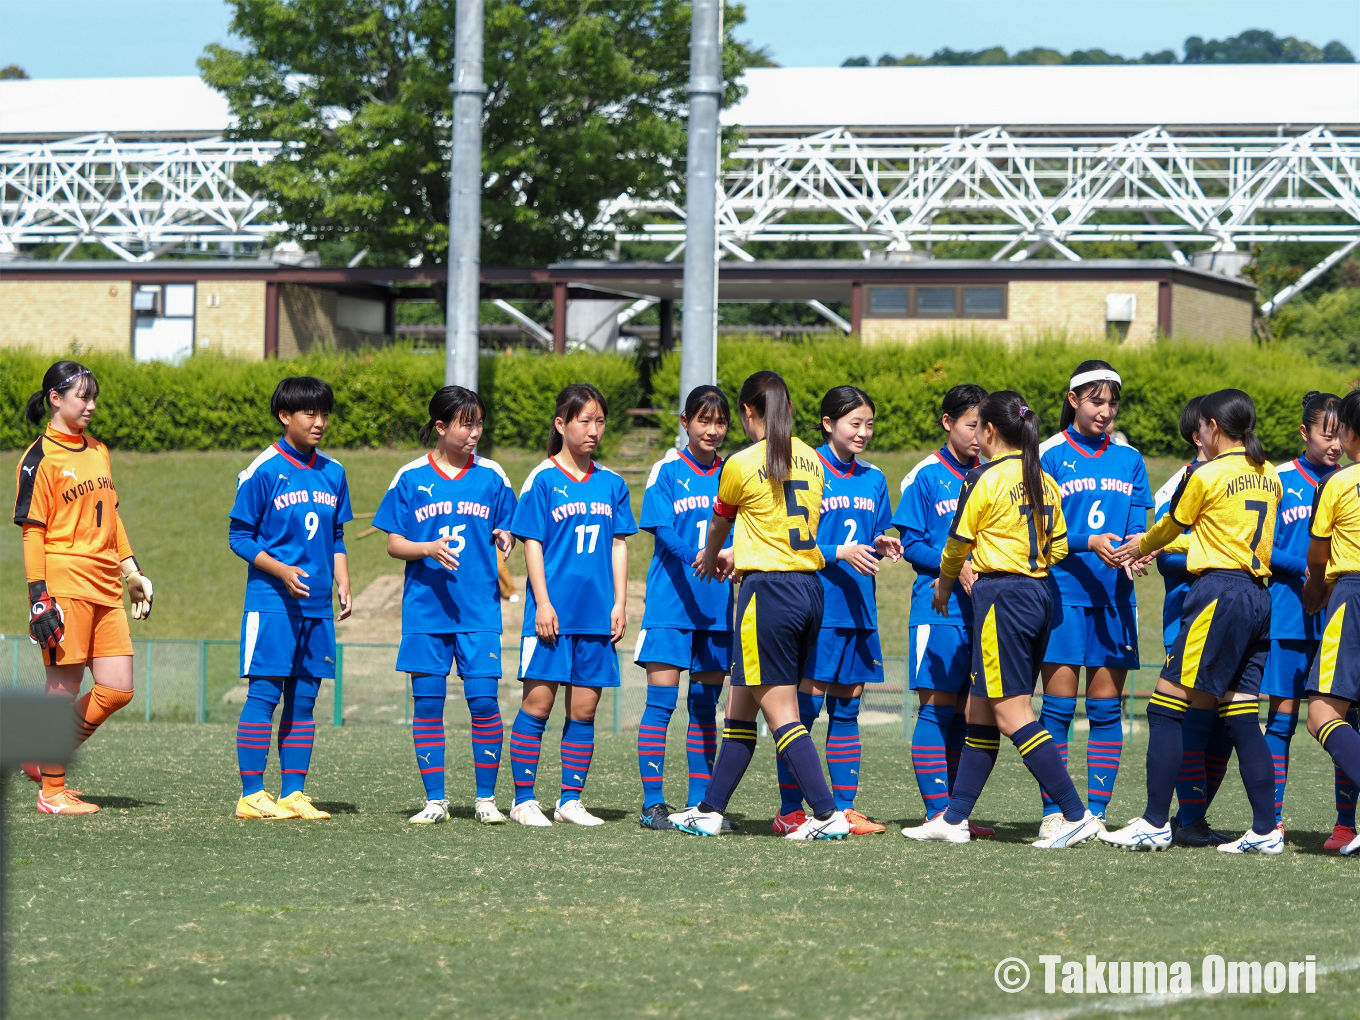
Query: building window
937	302
984	302
889	301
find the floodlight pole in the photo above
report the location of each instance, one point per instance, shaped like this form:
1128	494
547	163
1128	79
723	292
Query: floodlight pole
465	200
699	327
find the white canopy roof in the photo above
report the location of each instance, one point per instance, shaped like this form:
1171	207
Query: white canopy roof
50	108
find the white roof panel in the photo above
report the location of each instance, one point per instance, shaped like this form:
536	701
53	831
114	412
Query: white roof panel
50	108
1219	97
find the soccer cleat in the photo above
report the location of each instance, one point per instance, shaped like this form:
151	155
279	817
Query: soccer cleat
575	812
1197	834
1341	835
658	817
729	826
835	827
784	824
530	813
980	831
31	769
434	812
301	806
1069	834
698	823
1049	824
1353	847
486	811
1139	834
65	802
261	805
1254	843
863	825
938	830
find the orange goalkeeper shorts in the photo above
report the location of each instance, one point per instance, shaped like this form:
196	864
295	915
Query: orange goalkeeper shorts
90	631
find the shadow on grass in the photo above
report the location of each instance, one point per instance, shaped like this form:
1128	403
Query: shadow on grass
337	807
122	802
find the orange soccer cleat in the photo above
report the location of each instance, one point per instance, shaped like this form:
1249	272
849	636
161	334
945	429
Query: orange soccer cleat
65	802
861	824
31	769
784	824
1341	835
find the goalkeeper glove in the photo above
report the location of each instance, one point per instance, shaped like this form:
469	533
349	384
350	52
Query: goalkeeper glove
45	624
139	591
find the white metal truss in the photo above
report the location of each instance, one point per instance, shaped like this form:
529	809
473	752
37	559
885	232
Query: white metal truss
1024	192
138	199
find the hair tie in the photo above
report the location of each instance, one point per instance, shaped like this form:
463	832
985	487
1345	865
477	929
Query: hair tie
1024	410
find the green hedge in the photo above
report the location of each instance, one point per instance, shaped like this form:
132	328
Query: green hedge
382	397
907	383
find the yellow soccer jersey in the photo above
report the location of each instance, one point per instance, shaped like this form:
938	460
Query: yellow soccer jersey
1230	503
776	523
995	520
1336	516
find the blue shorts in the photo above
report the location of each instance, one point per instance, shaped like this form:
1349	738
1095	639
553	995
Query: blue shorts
699	651
845	655
1093	636
1287	667
1336	667
279	645
1224	635
779	615
477	653
940	655
583	660
1011	614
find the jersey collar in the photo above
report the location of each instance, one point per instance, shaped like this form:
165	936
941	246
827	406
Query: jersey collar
293	456
65	440
448	477
833	463
1085	445
1236	451
956	467
699	469
1310	471
584	478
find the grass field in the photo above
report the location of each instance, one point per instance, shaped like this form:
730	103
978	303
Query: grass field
165	906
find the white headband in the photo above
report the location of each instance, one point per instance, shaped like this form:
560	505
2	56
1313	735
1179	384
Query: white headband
1095	375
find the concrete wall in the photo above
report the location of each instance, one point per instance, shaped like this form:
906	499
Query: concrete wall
51	315
307	321
235	327
1203	315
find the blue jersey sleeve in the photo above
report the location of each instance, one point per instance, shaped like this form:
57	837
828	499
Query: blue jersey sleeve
883	502
392	510
658	507
624	523
910	520
529	523
241	538
250	502
503	512
1140	502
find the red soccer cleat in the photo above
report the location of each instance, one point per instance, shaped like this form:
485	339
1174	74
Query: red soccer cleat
30	769
1341	835
784	824
861	824
978	831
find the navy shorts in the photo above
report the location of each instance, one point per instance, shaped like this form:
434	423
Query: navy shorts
583	660
279	645
1336	667
699	651
1011	614
779	615
845	655
478	654
1093	636
940	657
1224	636
1287	667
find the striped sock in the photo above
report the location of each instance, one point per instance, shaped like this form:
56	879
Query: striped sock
1039	751
427	731
651	742
1243	722
1280	727
929	753
790	796
1191	783
844	752
578	746
793	743
1342	742
1056	716
297	732
1165	754
488	732
1345	789
526	743
254	731
1104	748
701	738
980	748
734	757
95	707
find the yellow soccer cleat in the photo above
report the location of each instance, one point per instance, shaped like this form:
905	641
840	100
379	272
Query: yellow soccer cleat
301	806
261	805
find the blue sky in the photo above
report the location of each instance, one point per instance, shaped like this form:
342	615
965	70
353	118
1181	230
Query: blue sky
98	38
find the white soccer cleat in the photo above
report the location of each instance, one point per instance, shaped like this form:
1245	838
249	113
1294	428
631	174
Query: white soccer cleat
1353	847
1139	834
835	827
575	812
939	831
487	812
698	823
530	813
1071	833
1049	826
434	812
1254	843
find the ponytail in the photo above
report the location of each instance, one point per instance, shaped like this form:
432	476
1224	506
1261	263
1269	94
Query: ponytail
450	404
1235	415
570	403
768	397
61	376
1019	425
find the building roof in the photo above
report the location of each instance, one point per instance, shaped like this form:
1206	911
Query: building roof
160	108
1215	98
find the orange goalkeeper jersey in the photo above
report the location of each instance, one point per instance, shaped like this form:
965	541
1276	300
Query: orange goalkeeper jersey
65	487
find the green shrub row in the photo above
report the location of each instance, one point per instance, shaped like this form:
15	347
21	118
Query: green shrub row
382	397
908	382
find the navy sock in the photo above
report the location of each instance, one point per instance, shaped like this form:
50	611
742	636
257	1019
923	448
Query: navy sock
488	731
578	747
526	744
1280	728
844	752
1191	785
1166	749
929	756
734	757
1056	716
1242	719
1345	789
254	731
790	797
701	739
297	732
1343	743
793	743
953	743
1040	753
651	741
1216	755
1104	748
980	748
427	731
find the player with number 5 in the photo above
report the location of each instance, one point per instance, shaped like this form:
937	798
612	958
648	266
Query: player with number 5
288	524
573	516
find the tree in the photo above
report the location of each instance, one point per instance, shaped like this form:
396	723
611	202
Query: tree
12	71
585	99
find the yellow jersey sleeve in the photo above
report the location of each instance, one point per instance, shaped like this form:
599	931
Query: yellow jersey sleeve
1336	517
994	520
776	522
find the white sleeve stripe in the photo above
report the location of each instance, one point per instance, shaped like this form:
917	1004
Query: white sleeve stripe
934	458
671	455
487	462
1164	494
250	470
405	468
544	465
1050	442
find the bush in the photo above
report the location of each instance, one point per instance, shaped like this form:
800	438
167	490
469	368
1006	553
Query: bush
216	403
907	383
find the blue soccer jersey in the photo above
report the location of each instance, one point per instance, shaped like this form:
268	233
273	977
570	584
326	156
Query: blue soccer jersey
576	521
1105	490
1176	579
855	508
930	495
676	508
1289	559
423	504
295	508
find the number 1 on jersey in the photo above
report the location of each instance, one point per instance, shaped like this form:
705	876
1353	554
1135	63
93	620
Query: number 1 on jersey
582	530
1027	512
456	533
703	533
